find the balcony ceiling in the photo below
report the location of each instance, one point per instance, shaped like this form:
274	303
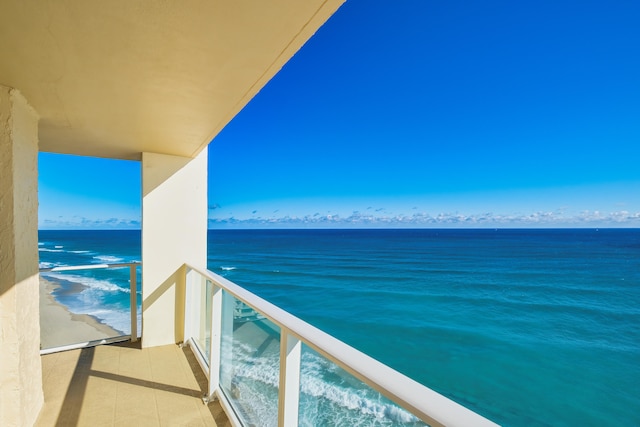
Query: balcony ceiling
117	78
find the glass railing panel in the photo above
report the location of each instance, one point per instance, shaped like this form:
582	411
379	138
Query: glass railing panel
202	292
85	305
330	396
250	363
244	368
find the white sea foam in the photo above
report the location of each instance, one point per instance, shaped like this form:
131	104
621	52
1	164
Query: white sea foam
355	399
228	268
117	319
58	247
50	250
89	282
44	264
92	300
80	252
40	243
108	258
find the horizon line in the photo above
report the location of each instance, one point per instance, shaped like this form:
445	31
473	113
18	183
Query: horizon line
358	228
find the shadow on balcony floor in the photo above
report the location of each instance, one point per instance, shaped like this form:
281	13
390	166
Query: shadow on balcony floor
124	385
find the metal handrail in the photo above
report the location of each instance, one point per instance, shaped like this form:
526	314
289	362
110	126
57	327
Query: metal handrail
426	404
133	286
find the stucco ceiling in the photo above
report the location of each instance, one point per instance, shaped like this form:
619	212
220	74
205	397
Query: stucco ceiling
118	78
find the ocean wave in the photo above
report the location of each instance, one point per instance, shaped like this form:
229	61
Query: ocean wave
117	319
108	258
50	250
58	246
347	393
44	264
362	401
89	282
227	268
80	252
101	298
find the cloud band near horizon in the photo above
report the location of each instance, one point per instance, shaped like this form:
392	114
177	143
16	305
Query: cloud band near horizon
356	219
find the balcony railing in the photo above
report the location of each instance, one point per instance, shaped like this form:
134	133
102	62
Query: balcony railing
133	336
269	368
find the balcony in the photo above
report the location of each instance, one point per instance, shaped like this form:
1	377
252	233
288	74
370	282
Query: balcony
250	362
123	385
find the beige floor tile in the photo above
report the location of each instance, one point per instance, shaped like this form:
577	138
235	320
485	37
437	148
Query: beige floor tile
134	400
175	397
180	421
137	422
179	415
123	385
48	415
213	415
106	362
96	415
141	412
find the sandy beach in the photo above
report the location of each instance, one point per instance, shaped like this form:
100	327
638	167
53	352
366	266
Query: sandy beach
58	326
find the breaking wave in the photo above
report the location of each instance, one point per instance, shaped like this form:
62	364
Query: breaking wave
108	258
329	395
89	282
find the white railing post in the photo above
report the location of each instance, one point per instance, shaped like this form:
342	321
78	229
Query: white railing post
188	304
193	306
289	390
133	302
215	342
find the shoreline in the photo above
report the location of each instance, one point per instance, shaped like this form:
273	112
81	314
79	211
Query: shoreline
59	326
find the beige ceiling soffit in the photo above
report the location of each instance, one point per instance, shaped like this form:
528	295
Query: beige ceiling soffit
115	79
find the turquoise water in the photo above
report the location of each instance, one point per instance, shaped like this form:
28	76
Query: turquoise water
526	327
107	295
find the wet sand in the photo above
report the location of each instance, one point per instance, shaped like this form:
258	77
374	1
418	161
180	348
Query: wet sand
58	326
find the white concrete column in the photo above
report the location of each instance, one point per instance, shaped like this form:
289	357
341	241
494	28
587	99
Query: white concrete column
174	232
21	395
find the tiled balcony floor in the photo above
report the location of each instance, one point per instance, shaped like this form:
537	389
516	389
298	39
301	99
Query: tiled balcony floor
123	385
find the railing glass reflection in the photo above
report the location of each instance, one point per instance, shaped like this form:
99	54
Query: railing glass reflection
250	360
330	396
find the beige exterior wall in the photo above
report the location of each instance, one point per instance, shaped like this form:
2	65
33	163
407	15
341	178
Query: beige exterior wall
174	232
20	369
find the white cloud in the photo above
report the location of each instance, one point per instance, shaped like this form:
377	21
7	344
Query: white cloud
77	223
549	219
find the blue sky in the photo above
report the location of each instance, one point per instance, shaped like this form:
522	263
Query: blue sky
418	114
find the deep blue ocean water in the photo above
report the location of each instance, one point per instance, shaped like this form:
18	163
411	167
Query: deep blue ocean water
526	327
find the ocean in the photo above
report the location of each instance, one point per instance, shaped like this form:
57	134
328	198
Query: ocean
526	327
107	293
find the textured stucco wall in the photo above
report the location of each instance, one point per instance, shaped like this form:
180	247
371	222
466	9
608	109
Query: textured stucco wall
20	369
174	232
